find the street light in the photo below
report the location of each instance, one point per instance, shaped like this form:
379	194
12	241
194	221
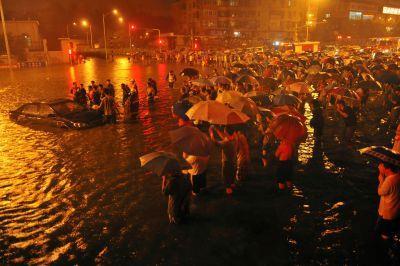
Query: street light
86	24
121	20
115	12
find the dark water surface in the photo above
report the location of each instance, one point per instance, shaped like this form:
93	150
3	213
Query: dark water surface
80	197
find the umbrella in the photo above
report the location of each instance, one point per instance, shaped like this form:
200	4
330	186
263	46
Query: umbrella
266	112
216	113
271	83
190	72
252	94
232	76
370	84
202	82
388	77
332	71
239	65
162	163
261	98
191	140
314	69
382	154
288	127
221	80
228	96
337	91
299	87
247	71
285	99
247	79
246	106
193	99
289	110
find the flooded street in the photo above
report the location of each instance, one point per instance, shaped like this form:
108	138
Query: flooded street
80	197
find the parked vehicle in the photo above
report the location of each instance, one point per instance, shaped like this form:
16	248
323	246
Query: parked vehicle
63	113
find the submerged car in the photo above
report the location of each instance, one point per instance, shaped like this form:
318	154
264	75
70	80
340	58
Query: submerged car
63	113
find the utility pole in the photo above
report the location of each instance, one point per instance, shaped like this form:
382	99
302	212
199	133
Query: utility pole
105	37
3	22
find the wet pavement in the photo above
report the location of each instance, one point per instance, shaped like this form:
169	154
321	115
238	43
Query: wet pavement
79	197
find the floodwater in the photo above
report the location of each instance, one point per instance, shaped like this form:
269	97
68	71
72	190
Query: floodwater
79	197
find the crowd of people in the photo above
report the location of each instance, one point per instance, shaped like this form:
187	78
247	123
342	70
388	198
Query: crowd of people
278	84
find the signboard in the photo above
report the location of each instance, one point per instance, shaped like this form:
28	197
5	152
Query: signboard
391	10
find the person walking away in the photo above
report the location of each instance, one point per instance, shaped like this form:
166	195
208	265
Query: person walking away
131	107
110	87
125	92
177	188
109	108
228	144
317	122
153	84
388	221
285	167
150	93
243	157
198	171
350	121
96	96
171	79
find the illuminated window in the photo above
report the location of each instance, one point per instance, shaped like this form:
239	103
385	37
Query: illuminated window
368	17
355	15
391	10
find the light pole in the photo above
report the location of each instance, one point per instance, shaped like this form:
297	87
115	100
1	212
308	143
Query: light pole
159	39
3	22
115	12
86	24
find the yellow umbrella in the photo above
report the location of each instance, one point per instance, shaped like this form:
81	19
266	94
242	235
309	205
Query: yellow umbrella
216	113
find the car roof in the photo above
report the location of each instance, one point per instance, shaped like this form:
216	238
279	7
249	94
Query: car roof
51	102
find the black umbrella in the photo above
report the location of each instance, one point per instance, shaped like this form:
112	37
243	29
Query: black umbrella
190	72
232	76
388	77
369	85
382	154
247	79
239	65
247	71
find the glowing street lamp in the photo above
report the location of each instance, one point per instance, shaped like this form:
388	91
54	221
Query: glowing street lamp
86	24
121	20
114	12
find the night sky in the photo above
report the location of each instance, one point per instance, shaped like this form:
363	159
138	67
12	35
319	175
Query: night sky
54	15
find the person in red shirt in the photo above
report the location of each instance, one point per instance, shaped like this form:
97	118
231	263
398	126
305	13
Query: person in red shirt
284	172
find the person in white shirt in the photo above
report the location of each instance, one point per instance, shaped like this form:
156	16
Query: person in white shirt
198	172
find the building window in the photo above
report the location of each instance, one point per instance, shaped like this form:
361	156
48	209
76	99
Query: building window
368	17
355	15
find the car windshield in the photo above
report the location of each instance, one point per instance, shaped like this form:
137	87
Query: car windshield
65	108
